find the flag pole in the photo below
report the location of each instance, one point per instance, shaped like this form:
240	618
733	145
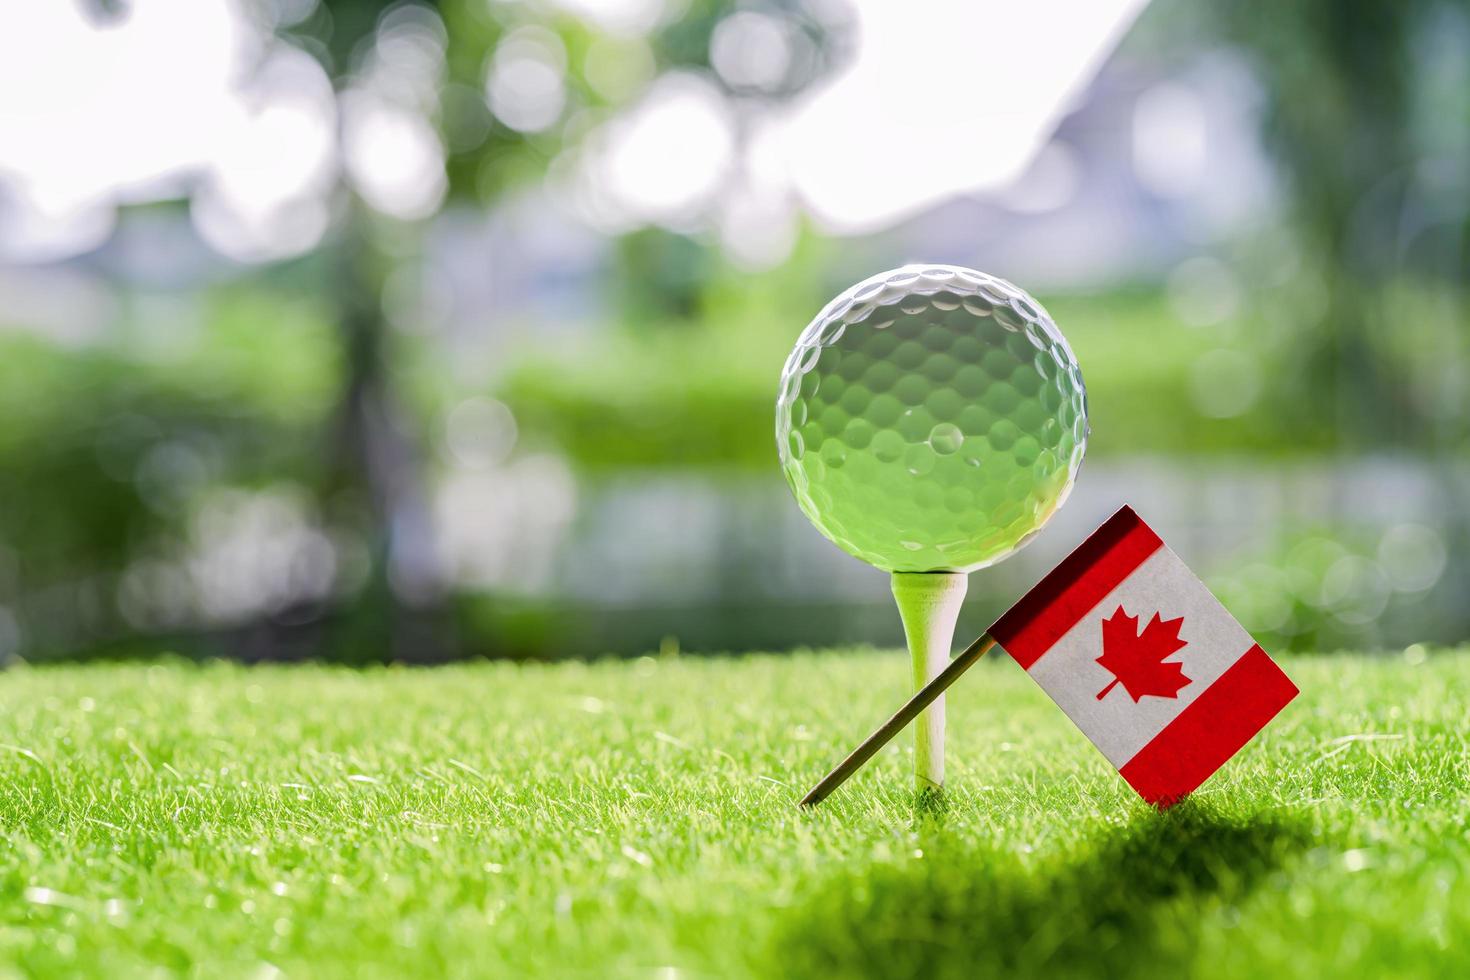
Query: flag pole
900	719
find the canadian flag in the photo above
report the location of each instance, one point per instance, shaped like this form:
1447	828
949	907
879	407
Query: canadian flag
1144	659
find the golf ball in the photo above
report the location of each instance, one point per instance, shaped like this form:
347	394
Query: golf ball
931	419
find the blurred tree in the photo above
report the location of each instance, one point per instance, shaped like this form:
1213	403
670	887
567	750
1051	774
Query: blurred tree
374	481
104	462
1340	83
1367	109
105	454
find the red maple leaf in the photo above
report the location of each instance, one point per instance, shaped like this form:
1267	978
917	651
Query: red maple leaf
1136	660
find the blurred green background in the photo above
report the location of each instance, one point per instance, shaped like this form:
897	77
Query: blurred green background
394	331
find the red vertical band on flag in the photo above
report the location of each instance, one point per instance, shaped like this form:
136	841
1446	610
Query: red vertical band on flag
1075	586
1213	728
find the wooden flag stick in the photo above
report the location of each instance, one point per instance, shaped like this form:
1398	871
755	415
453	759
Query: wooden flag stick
899	721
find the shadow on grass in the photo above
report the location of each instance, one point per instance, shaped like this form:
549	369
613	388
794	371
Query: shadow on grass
1132	902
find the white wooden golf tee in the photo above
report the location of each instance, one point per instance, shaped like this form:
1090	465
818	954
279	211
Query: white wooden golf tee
929	603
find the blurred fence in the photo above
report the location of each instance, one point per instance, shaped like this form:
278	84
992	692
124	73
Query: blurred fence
1354	552
1362	552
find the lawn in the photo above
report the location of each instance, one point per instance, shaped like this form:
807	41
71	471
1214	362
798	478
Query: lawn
638	819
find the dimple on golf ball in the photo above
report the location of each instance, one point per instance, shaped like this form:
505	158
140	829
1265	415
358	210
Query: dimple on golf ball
931	418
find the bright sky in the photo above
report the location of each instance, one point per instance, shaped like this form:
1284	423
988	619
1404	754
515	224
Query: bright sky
945	96
192	97
179	97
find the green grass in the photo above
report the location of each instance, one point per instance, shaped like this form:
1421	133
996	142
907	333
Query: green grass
638	819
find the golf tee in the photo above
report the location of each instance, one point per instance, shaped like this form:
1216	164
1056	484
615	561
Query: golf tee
929	604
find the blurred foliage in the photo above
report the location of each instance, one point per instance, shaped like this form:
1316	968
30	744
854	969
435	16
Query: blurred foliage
1328	588
488	158
298	378
1366	112
701	393
1337	118
105	450
378	459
